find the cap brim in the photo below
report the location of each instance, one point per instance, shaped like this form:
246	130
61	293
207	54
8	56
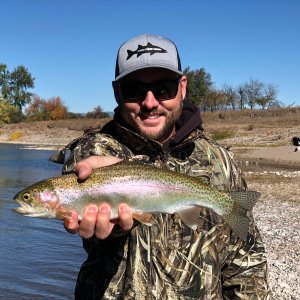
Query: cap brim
129	71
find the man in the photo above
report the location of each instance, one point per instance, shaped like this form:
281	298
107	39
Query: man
155	124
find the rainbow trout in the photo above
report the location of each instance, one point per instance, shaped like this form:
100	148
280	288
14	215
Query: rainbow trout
146	189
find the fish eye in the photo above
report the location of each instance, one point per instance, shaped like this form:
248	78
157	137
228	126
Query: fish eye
26	197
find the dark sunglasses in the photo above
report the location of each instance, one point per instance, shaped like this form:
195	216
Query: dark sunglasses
134	91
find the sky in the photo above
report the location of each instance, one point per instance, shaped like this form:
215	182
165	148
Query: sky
70	46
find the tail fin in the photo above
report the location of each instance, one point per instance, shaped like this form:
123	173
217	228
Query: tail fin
237	219
129	54
245	200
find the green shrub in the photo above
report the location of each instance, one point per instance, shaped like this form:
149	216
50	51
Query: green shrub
220	135
250	127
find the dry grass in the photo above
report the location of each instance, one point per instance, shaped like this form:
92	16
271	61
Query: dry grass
249	122
15	136
70	124
248	119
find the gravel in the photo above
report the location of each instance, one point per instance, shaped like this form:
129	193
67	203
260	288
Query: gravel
278	217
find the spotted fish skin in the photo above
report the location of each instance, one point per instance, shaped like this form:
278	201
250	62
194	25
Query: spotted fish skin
144	188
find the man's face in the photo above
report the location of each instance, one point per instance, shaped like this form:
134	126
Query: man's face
150	117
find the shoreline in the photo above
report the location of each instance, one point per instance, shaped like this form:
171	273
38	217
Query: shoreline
35	146
274	156
281	157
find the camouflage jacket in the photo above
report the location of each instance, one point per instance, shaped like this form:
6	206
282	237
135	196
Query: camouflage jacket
169	260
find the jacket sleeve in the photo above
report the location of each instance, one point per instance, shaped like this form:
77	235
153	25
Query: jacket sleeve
91	143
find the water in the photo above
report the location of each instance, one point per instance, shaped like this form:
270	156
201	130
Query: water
38	258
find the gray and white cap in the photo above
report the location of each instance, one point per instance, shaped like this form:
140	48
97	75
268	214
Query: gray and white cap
147	51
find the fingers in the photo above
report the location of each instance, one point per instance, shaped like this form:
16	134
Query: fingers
103	225
83	171
96	221
88	222
125	217
84	168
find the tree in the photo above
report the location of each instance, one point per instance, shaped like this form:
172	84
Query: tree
269	96
97	113
4	81
55	108
256	92
20	81
14	85
231	96
242	96
51	109
8	112
199	85
36	110
253	90
215	100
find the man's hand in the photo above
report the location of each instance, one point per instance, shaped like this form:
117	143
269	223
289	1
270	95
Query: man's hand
96	220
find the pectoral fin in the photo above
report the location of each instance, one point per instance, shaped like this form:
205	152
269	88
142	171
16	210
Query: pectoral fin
144	218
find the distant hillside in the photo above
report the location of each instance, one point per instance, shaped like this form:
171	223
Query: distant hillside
218	125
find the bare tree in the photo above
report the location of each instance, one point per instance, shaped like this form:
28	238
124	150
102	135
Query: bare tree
270	93
97	113
231	96
253	90
241	90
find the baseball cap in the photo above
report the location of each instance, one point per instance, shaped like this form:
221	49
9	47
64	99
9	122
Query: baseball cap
147	51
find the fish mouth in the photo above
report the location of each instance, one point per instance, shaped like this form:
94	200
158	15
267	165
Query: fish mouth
29	211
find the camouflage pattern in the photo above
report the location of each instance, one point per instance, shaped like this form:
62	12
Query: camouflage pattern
170	260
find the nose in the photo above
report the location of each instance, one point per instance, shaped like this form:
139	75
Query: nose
150	101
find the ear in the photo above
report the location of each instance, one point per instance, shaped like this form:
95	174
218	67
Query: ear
183	84
116	91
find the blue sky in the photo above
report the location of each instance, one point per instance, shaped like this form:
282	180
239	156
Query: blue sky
70	46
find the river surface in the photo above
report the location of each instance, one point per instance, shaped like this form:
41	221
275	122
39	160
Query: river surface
38	258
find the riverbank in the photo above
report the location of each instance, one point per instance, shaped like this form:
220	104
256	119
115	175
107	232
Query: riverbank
51	134
264	146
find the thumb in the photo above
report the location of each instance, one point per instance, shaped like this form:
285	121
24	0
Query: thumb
85	167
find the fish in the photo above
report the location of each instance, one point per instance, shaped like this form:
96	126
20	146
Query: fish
149	48
144	188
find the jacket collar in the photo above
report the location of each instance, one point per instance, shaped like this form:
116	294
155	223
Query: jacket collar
189	121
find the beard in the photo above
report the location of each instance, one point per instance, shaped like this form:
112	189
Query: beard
161	135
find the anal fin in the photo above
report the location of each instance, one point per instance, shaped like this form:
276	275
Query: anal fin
190	217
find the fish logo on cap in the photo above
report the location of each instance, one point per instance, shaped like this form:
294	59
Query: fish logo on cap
149	48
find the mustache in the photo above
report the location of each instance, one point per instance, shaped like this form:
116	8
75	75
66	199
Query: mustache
144	111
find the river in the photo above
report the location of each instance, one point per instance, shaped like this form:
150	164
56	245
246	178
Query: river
39	259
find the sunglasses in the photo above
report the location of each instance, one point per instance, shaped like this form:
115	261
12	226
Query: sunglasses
134	91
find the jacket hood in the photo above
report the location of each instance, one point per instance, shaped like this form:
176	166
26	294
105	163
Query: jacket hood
188	121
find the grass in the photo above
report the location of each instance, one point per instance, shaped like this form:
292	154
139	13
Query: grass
221	135
281	117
